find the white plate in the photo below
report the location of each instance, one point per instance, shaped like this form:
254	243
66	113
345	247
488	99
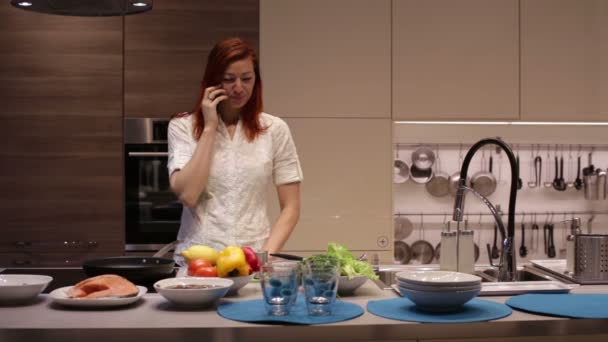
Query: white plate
59	296
438	278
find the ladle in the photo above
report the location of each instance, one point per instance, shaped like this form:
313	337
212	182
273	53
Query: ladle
578	182
523	250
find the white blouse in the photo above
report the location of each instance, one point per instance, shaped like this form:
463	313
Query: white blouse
232	208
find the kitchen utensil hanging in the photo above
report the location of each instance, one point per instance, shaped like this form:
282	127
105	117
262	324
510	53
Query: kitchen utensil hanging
455	177
548	181
422	250
403	227
423	158
438	186
484	181
401	169
402	252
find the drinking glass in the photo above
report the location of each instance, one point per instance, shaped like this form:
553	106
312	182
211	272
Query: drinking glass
320	277
279	280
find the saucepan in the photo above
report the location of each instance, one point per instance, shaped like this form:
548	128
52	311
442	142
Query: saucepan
483	181
138	269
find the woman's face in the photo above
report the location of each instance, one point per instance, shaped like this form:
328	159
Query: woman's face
238	81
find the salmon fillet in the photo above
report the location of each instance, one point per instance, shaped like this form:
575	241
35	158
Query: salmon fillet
104	285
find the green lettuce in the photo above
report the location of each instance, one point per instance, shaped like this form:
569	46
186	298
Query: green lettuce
349	265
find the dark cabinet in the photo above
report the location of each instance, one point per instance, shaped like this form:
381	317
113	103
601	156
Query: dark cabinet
60	123
166	51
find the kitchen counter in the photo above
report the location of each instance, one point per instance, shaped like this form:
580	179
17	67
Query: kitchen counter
154	319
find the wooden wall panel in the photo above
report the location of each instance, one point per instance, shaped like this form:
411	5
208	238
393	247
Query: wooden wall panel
61	128
166	50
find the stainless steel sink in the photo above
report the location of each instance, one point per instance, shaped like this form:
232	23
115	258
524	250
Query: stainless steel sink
487	274
523	274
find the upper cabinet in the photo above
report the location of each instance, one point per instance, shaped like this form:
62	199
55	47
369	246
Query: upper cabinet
455	60
166	49
564	54
61	124
326	58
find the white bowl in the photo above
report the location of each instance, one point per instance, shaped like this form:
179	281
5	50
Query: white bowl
433	288
239	282
439	301
197	296
438	278
346	285
22	287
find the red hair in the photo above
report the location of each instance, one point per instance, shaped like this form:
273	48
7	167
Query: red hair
221	56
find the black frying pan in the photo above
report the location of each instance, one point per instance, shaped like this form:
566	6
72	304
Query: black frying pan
137	269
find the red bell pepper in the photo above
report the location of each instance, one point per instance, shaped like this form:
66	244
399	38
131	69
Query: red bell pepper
252	259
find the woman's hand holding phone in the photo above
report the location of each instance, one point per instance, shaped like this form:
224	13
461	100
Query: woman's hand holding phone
211	98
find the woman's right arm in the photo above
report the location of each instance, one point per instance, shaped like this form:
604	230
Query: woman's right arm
189	182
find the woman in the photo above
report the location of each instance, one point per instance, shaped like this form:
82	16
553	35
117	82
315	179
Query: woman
224	154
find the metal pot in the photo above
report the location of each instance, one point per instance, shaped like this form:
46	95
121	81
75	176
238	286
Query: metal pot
403	228
420	176
401	172
136	269
483	181
402	253
455	177
438	186
423	158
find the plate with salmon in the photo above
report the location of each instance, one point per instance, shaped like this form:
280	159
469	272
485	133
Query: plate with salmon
102	290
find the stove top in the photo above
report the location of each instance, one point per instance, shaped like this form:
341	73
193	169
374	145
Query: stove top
63	276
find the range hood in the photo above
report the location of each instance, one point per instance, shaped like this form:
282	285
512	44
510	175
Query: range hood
85	8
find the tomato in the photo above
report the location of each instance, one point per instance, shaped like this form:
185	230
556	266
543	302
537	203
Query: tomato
205	271
196	264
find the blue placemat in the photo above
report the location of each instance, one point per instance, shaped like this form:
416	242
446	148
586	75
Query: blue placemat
563	305
253	311
403	309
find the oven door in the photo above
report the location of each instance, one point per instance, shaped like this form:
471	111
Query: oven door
153	212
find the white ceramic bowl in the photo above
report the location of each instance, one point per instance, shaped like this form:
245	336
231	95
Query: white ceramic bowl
439	301
438	278
200	296
347	286
433	288
22	287
239	282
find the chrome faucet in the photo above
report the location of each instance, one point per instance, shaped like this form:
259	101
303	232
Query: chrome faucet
507	269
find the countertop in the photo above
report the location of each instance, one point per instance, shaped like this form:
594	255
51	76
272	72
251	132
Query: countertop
154	319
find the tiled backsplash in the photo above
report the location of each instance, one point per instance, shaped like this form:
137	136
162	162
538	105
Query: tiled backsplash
549	204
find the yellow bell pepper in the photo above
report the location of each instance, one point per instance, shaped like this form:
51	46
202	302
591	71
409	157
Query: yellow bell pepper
231	262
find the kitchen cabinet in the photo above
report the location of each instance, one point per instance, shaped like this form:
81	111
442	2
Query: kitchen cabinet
166	51
455	60
326	59
564	54
61	123
347	191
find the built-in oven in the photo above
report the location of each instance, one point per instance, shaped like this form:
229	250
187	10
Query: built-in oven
153	213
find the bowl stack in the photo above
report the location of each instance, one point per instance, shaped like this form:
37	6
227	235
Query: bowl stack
438	290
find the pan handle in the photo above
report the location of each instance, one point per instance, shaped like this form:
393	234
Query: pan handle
166	248
287	256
